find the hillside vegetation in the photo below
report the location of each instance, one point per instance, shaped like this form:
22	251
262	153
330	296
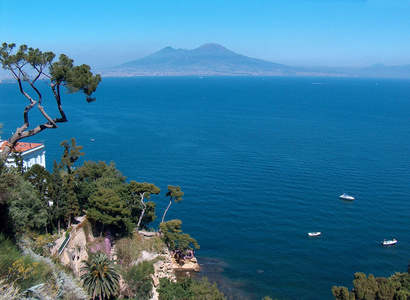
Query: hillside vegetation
84	232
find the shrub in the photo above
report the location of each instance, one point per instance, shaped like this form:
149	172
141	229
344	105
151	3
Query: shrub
42	244
189	289
25	272
138	282
129	249
9	253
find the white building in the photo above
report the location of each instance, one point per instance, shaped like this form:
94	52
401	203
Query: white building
32	153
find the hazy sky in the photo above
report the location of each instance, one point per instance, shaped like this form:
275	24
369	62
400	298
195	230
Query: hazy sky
293	32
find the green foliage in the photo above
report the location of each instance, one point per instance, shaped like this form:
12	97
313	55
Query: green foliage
25	272
71	154
41	243
26	210
9	253
129	249
92	175
100	277
9	189
20	270
138	281
19	162
147	189
62	72
91	171
142	213
175	239
72	207
8	186
366	288
23	204
149	214
75	78
57	194
107	208
28	65
40	178
174	193
342	293
189	289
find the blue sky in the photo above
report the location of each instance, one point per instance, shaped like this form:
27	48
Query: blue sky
293	32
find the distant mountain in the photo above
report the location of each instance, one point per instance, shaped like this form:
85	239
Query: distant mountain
214	59
209	59
380	70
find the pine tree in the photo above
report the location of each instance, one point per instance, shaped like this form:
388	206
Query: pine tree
58	195
107	208
72	206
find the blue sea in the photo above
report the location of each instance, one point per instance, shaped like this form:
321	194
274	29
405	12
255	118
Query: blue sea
262	162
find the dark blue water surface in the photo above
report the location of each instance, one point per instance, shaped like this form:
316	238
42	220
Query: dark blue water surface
262	161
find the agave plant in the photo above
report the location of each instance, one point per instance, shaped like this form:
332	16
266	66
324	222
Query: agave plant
100	277
8	291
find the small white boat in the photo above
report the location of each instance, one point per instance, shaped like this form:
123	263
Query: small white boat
389	242
317	233
346	197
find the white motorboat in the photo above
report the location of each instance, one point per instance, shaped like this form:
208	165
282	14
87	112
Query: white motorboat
346	197
317	233
389	242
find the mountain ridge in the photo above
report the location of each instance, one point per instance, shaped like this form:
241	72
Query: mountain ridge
213	59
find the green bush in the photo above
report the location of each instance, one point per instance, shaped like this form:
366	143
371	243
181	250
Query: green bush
368	287
129	249
9	253
138	282
19	269
189	289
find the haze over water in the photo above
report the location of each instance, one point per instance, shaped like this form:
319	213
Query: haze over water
262	162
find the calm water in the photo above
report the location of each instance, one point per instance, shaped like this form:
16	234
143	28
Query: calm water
262	162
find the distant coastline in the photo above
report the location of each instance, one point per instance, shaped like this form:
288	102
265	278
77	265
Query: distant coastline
125	73
216	60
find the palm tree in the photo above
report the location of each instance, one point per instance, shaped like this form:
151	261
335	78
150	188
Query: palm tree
100	277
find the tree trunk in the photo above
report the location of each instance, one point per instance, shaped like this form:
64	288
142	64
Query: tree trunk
21	132
163	217
143	210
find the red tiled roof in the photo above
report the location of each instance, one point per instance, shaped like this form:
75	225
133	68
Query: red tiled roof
22	147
